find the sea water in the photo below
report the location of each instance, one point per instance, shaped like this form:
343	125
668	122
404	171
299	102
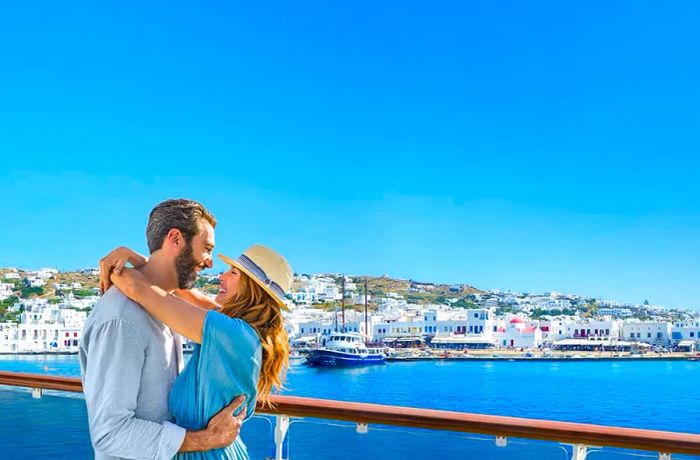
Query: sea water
661	395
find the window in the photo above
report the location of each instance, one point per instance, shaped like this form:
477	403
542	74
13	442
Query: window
692	334
648	335
75	334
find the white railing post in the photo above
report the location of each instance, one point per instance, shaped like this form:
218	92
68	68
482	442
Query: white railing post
664	456
501	441
36	393
580	452
281	428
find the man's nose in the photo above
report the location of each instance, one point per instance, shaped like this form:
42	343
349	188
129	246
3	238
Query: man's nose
209	262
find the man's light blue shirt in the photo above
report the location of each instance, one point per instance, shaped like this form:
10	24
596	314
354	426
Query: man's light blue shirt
128	362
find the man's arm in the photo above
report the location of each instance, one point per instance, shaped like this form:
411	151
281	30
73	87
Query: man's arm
112	379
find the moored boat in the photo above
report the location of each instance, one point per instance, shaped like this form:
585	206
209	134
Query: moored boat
344	349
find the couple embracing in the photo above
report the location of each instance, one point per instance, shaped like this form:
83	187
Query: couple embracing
142	401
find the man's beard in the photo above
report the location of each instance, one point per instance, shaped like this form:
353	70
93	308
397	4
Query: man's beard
185	266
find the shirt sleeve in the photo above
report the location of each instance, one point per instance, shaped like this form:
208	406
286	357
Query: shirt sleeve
111	383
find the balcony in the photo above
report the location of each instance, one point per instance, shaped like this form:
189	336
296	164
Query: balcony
304	428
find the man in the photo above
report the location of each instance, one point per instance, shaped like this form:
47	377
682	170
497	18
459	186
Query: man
129	360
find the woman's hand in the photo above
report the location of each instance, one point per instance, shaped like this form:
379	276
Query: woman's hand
115	261
129	281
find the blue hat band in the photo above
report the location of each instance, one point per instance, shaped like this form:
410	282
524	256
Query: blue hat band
261	276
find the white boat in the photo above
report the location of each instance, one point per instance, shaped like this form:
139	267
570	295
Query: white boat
344	349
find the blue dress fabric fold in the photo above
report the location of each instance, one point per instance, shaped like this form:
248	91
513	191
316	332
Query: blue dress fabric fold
225	365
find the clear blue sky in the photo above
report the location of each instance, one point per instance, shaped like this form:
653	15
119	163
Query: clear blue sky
516	145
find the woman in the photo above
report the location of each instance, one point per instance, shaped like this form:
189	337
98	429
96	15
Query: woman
242	348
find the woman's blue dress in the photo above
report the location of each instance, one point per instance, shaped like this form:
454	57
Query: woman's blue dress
225	365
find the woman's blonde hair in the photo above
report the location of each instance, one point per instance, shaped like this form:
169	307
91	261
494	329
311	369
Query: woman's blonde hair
255	306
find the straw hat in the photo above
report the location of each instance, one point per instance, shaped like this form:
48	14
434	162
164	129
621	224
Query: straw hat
267	268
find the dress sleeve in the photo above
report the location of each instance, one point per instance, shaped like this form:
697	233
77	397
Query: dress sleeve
234	342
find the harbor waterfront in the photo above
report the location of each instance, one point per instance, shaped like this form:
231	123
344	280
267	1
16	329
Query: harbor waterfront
640	394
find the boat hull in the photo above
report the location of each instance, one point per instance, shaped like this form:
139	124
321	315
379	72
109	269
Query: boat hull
330	358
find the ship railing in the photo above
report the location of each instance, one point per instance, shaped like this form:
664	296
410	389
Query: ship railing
581	437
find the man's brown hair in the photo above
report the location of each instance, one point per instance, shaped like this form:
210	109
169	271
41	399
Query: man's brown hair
181	214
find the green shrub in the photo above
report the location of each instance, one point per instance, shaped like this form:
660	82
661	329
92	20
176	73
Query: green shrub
29	292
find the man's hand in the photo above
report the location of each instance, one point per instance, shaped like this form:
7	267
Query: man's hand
222	429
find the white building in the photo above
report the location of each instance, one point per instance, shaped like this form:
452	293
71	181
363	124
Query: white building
615	311
353	323
579	328
518	334
11	275
684	331
652	332
315	289
43	328
6	290
359	298
46	273
438	322
34	281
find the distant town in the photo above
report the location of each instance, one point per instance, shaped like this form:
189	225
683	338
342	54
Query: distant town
43	311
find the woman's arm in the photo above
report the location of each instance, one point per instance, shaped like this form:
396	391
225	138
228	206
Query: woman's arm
182	317
197	297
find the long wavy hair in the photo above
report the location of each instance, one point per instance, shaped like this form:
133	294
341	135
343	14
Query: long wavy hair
255	306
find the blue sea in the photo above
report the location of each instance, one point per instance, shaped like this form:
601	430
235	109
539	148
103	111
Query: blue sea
662	395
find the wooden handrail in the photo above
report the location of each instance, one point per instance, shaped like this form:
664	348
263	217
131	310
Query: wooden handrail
47	382
565	432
